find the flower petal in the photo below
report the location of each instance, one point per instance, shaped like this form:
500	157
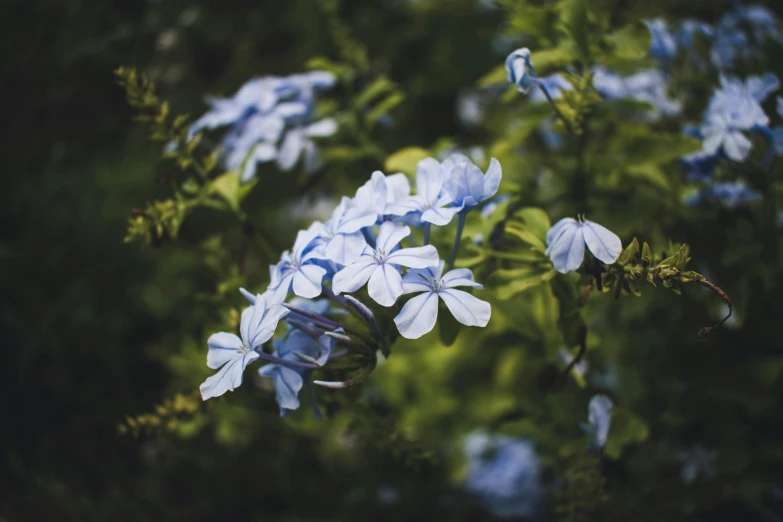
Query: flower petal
357	218
346	248
322	129
492	179
307	281
397	187
736	145
389	236
291	149
465	308
227	378
557	228
602	242
459	277
600	417
439	215
416	257
421	279
354	276
568	249
429	179
223	347
385	285
288	383
418	316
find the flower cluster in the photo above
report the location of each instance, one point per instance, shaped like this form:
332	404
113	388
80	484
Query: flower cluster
359	247
270	119
504	474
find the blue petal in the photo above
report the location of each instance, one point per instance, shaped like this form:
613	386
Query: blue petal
227	378
385	285
291	149
416	257
418	316
603	243
345	248
307	281
568	248
223	347
465	308
553	232
600	417
288	384
354	276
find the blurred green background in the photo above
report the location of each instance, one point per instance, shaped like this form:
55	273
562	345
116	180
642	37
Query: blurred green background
95	330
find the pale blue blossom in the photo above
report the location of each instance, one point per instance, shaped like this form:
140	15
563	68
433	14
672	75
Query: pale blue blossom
297	142
430	204
296	346
735	108
732	43
518	70
504	474
466	185
343	241
419	315
648	86
379	265
663	45
599	417
230	354
298	269
697	461
381	192
566	243
730	193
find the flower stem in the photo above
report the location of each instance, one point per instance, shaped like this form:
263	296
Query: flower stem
460	225
282	362
426	233
549	98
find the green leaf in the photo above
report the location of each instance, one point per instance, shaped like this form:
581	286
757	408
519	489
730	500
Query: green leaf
227	187
405	160
646	254
379	86
650	173
626	428
536	220
509	283
494	77
637	146
632	42
629	252
384	107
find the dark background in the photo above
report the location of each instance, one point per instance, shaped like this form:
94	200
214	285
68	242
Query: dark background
88	323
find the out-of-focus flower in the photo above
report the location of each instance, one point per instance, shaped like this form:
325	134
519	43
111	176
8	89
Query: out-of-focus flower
503	473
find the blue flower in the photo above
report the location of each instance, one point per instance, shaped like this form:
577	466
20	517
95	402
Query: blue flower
504	474
296	346
429	205
379	265
342	239
566	244
230	355
734	108
297	141
381	192
663	46
518	67
298	269
699	166
466	185
555	84
600	417
730	193
697	460
647	86
419	315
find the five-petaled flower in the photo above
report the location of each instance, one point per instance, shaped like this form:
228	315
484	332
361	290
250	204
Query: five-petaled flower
466	185
298	269
418	316
566	243
343	241
430	204
379	265
230	354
